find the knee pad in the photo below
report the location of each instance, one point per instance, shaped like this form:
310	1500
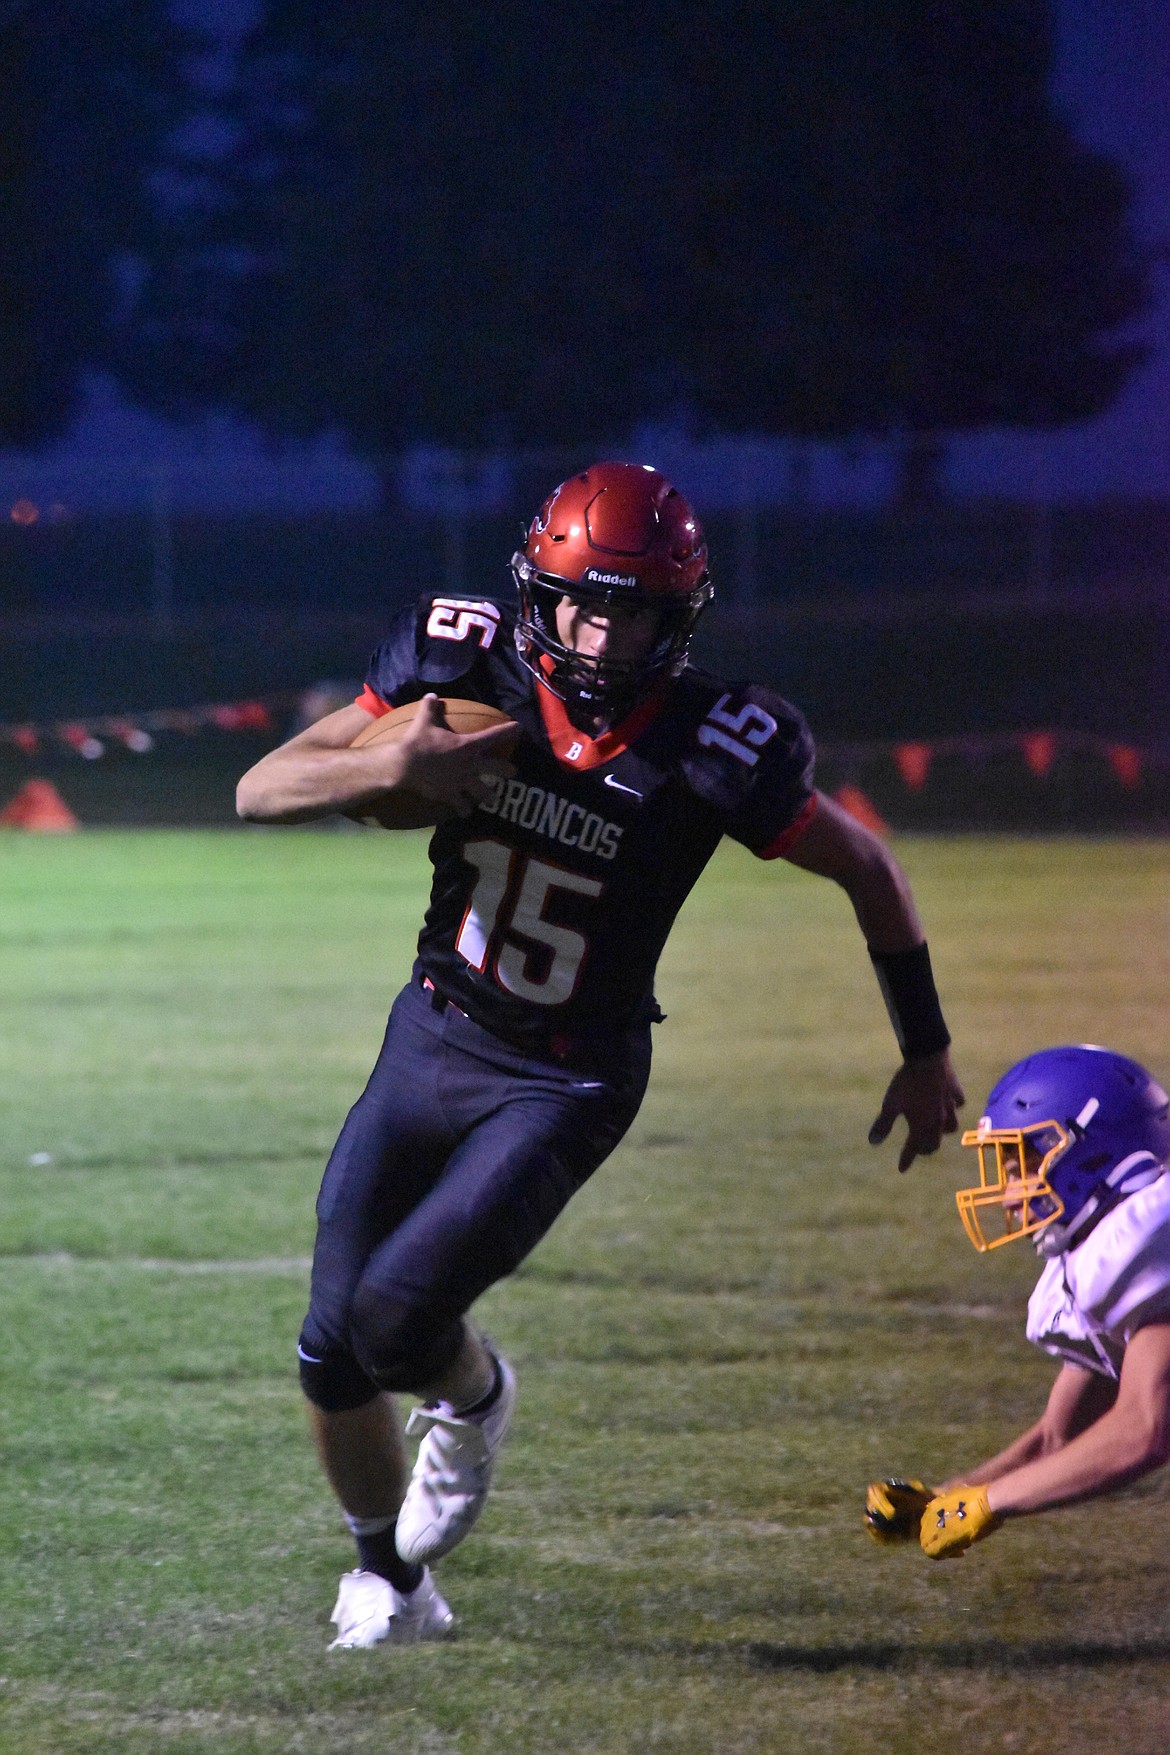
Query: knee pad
402	1347
332	1379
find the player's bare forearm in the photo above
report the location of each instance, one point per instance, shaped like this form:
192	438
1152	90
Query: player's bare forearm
304	791
1116	1450
1078	1447
317	773
924	1089
1021	1450
1128	1440
1078	1398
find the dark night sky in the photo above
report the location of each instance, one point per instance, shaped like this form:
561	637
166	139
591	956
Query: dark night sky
1113	78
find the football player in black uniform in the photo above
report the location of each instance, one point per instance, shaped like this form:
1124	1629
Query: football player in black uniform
516	1057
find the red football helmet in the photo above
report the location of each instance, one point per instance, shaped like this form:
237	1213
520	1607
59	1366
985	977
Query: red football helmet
618	533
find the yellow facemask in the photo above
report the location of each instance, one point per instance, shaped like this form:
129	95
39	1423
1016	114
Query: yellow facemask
1014	1198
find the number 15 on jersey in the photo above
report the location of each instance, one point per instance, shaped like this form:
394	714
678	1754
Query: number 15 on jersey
489	930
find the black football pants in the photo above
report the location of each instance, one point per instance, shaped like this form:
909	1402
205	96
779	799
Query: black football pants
450	1167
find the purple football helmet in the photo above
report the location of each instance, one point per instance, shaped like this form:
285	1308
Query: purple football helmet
1067	1133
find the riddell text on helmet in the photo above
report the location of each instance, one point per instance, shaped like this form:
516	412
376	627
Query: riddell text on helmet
531	807
593	576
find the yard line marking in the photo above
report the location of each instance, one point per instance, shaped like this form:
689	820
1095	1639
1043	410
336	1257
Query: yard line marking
265	1264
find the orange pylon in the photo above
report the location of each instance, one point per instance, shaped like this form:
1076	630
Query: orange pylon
39	809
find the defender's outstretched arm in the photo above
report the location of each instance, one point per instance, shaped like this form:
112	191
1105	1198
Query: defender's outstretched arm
1045	1468
1128	1439
1077	1399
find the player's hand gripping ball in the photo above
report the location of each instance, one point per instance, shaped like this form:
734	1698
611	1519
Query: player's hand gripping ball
399	808
893	1509
954	1520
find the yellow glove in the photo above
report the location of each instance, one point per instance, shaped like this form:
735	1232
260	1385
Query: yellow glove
893	1509
952	1521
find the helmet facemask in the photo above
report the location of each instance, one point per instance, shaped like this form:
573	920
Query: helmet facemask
1054	1180
1014	1197
601	687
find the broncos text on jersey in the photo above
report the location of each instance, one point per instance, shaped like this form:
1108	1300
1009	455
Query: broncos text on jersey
531	807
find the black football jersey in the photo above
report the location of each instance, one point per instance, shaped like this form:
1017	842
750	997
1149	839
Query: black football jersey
552	901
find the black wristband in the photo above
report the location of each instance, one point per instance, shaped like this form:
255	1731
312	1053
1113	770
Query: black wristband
907	983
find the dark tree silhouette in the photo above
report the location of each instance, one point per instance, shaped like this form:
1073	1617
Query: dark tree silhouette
461	223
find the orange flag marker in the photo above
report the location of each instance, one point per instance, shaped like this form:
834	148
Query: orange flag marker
913	761
861	809
1126	764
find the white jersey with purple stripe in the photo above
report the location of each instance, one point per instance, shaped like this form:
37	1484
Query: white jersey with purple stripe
1090	1302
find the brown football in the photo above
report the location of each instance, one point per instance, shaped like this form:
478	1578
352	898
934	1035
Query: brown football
406	810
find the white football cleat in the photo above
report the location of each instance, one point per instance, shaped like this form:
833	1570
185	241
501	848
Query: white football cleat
369	1610
452	1472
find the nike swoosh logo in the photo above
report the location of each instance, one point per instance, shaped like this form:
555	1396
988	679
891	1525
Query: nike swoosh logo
618	787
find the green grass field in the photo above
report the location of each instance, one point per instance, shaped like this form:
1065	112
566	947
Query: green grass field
745	1316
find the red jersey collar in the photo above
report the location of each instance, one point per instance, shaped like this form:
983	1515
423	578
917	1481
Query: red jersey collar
576	749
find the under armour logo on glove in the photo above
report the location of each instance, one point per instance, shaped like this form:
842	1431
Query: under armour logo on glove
953	1521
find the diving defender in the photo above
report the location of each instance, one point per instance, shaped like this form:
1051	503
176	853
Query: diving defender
1073	1155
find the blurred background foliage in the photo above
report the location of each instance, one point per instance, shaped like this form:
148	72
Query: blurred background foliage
439	222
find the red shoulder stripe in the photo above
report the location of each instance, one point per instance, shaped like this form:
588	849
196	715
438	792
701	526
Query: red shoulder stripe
787	838
373	704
